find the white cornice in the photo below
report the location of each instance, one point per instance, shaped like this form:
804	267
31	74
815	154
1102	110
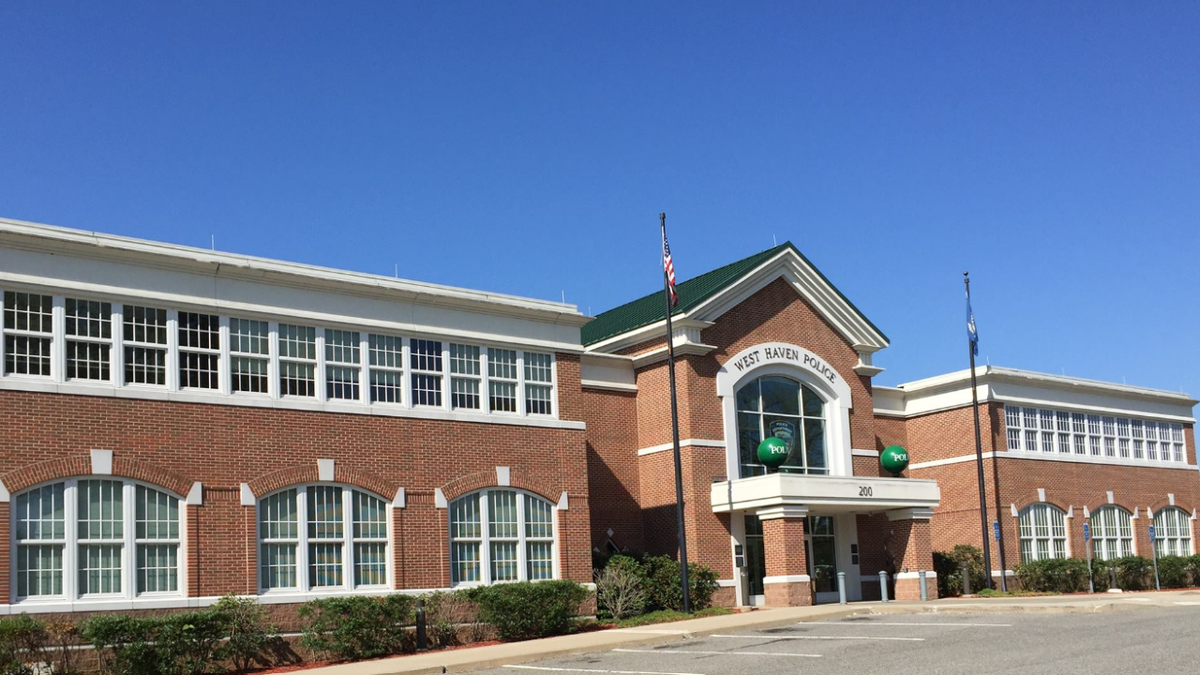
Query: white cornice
962	378
1054	457
95	245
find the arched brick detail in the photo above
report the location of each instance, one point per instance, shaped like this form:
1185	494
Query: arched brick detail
517	479
72	467
277	480
1030	500
1164	502
1092	508
309	473
364	480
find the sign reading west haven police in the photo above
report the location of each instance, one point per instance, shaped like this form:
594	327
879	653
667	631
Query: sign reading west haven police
774	353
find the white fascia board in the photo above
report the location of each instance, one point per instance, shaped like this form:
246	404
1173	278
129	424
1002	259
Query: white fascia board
607	373
1055	457
1047	381
124	251
810	285
653	331
851	494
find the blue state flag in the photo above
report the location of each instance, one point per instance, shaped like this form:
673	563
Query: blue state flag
972	332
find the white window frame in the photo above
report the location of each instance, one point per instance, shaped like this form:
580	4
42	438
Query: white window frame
129	543
68	340
57	366
478	378
318	388
1055	518
1112	527
214	352
1183	523
397	348
353	347
514	381
303	541
551	384
232	353
439	352
165	347
485	540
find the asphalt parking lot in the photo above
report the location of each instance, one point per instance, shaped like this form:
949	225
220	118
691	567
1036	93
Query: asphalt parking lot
1147	640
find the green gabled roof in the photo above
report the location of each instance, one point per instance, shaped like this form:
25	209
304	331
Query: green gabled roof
652	308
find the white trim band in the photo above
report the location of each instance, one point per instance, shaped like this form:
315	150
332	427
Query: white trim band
787	579
1054	457
693	442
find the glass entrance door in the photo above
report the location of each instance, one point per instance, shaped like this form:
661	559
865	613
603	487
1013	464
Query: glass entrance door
822	558
756	561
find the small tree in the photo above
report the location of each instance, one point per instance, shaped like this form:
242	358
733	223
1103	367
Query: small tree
250	637
620	592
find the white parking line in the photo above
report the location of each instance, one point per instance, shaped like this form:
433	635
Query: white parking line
655	631
698	651
898	623
819	637
1186	602
597	670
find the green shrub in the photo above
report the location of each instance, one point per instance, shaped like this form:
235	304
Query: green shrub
124	644
665	592
453	618
185	643
526	610
1134	572
22	639
357	627
1175	571
250	637
1055	575
948	566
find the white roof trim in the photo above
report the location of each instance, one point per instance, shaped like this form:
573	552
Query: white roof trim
962	378
50	238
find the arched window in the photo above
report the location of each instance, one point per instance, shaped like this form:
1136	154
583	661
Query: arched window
1112	533
786	409
1043	532
322	537
1173	532
96	538
501	535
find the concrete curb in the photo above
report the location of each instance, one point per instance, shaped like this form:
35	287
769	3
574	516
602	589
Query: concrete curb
514	653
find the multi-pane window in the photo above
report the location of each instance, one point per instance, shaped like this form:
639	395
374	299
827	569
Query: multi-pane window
88	330
501	535
145	340
341	543
1112	533
199	350
343	363
465	376
387	368
297	360
249	355
785	409
1043	532
426	365
539	374
502	380
28	331
1048	431
97	341
1173	532
96	537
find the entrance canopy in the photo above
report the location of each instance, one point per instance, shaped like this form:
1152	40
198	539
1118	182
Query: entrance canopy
829	494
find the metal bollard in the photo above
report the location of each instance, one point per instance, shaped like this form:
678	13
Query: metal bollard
966	579
924	589
841	588
422	638
883	577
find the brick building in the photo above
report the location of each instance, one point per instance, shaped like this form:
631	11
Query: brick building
184	423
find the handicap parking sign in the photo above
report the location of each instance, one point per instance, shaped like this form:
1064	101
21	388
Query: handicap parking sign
1087	532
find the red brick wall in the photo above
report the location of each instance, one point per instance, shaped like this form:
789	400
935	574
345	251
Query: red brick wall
613	483
174	444
890	431
777	313
951	433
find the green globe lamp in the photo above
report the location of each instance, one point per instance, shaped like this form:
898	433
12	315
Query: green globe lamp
773	452
893	459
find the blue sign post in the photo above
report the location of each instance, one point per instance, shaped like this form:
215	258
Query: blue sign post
996	529
1154	556
1087	535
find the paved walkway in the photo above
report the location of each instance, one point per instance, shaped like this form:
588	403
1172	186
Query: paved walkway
480	658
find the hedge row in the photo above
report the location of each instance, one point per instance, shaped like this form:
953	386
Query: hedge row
234	634
1133	573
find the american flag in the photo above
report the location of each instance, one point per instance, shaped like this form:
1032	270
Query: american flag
668	266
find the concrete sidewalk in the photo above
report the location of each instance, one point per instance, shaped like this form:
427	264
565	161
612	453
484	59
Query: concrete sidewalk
480	658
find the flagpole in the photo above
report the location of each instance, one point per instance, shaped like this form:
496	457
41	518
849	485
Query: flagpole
683	560
971	341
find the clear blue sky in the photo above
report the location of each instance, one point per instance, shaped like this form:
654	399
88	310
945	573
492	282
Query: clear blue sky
527	147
